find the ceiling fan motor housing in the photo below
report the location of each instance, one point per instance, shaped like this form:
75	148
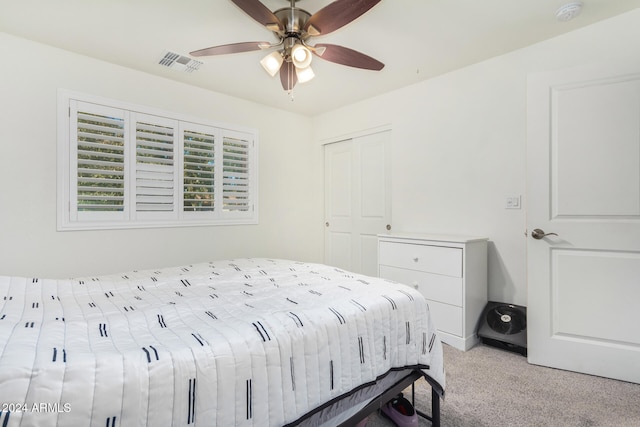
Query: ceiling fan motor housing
293	21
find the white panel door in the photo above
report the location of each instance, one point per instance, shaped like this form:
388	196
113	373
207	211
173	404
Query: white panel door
338	189
357	201
583	183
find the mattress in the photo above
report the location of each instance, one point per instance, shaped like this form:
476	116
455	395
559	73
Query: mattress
247	342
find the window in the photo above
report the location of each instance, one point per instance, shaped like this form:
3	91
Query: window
123	166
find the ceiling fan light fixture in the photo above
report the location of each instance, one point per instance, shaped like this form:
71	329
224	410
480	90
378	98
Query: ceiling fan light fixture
304	74
272	63
301	56
293	27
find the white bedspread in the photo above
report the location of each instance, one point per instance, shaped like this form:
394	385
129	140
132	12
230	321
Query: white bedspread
249	342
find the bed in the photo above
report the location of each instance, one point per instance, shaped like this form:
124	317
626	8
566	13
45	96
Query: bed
246	342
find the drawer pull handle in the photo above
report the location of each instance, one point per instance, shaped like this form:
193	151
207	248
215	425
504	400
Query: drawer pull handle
415	259
415	285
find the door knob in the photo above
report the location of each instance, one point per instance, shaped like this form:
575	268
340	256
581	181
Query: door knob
539	234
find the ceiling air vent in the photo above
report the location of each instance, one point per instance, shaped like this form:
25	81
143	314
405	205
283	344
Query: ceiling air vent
179	62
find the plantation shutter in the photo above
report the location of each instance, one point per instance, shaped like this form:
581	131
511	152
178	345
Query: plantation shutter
198	192
129	166
155	166
236	182
98	183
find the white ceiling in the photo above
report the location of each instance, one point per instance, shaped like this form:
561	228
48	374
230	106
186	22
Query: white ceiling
416	39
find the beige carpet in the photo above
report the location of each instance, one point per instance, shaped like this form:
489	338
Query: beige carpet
487	386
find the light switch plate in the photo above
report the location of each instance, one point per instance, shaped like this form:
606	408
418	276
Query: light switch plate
512	202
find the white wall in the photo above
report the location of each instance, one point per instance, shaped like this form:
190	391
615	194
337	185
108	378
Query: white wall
290	215
459	143
459	149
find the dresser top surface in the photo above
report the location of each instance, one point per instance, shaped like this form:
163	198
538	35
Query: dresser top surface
455	238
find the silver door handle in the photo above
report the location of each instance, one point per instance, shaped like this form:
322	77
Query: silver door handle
539	234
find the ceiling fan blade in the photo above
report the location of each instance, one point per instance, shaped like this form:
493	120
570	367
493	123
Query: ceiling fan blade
288	76
231	48
336	15
345	56
260	13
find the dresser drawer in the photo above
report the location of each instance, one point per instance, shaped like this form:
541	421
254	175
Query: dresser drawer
446	318
435	287
431	259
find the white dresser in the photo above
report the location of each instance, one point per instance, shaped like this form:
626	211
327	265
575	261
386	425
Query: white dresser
450	271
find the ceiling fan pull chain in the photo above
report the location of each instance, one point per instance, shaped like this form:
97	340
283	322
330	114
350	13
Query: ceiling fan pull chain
290	91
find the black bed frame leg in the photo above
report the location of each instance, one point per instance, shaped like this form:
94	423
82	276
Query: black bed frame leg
435	406
435	409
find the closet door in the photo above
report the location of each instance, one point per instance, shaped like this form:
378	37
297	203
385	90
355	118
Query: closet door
357	201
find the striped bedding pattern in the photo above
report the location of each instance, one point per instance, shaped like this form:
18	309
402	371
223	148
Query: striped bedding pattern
246	342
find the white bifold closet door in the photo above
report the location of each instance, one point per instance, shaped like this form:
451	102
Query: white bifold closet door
357	201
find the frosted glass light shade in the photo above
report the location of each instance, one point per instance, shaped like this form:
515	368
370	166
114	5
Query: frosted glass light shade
304	74
301	56
272	63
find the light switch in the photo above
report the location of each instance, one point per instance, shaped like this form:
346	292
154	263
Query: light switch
512	202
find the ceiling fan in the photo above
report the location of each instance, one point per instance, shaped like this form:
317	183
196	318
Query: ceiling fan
294	27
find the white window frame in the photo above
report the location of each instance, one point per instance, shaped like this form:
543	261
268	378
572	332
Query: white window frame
70	218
